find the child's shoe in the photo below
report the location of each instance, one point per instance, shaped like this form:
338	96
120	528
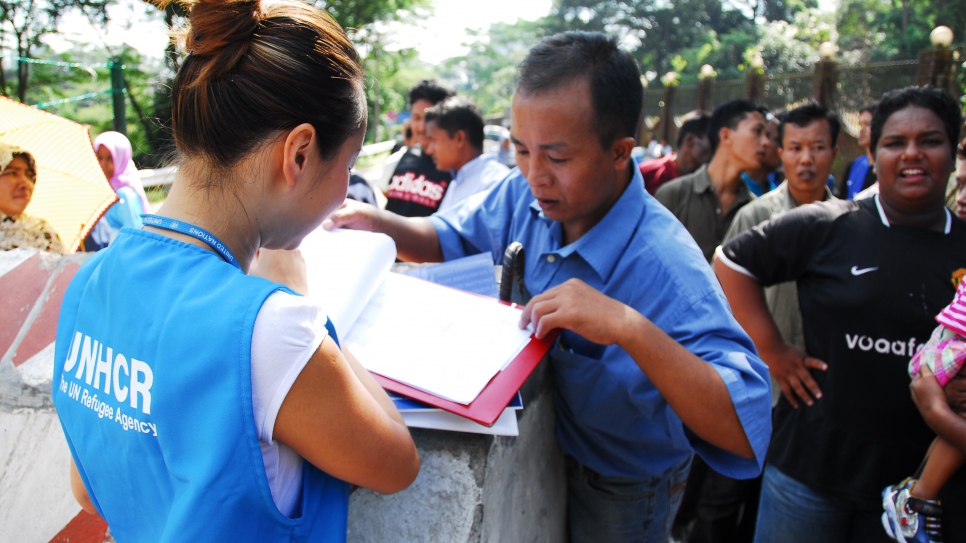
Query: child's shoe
910	519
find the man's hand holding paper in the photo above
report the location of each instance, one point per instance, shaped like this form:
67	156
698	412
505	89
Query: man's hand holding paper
576	306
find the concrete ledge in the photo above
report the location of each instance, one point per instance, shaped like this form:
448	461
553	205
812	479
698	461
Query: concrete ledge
474	488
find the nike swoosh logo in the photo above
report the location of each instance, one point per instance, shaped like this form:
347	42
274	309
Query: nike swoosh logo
857	271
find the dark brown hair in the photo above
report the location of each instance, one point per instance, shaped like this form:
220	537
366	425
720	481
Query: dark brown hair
31	172
615	79
458	113
254	69
937	100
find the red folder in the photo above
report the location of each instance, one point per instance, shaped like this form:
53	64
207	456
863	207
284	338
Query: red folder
489	405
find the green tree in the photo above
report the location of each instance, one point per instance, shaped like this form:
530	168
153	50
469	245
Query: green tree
487	73
51	82
656	32
874	30
27	21
389	76
362	20
792	46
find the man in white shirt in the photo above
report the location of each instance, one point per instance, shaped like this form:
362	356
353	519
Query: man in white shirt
454	129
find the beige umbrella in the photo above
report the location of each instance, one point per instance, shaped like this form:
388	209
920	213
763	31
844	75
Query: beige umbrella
72	192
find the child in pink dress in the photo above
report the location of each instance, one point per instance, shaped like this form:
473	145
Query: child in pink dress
912	509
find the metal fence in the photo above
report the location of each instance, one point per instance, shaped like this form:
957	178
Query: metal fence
855	86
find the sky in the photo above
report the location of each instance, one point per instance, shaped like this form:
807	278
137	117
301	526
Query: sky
436	38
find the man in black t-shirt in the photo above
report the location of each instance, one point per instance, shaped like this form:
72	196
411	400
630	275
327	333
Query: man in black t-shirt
871	276
416	188
868	292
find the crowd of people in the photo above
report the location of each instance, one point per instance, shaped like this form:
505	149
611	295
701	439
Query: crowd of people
749	346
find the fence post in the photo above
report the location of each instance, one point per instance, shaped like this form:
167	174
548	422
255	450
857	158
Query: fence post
642	122
825	78
755	81
670	81
706	88
937	67
117	95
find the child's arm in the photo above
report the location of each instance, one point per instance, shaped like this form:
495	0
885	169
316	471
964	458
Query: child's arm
338	419
935	410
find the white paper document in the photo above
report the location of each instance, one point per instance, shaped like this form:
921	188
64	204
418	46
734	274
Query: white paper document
345	267
440	340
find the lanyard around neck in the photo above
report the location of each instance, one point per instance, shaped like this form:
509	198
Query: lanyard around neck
198	232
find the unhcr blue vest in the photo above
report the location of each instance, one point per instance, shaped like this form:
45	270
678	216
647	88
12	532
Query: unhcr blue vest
152	383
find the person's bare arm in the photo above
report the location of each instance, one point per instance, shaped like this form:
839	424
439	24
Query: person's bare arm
415	237
788	364
336	417
79	491
934	407
691	386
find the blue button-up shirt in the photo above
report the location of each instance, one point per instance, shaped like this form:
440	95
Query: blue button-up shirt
610	417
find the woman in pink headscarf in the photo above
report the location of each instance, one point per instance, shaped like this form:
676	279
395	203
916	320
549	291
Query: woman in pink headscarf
114	155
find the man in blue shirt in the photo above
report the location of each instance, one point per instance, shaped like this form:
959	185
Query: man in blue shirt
859	174
650	366
454	132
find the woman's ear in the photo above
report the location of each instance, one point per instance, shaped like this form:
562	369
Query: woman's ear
298	152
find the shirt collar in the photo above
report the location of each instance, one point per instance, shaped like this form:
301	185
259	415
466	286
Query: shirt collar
790	202
9	218
471	168
885	219
701	180
702	183
602	246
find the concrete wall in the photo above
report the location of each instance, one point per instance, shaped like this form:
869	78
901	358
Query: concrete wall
474	488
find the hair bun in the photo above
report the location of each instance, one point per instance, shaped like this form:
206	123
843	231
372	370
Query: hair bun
220	30
256	69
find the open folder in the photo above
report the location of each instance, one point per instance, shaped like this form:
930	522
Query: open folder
457	351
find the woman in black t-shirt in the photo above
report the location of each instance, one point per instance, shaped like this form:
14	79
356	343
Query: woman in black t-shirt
871	276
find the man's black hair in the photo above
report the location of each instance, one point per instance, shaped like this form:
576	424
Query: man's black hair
616	92
728	115
805	115
869	108
695	123
431	90
455	114
928	97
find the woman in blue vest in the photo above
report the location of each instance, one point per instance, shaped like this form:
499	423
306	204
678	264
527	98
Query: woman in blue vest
200	401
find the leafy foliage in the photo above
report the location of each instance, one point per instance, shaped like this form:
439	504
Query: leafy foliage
49	83
25	22
488	71
887	29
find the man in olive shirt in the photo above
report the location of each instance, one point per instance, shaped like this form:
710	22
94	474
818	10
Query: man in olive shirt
706	201
808	137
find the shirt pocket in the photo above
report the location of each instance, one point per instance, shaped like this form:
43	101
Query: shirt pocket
592	395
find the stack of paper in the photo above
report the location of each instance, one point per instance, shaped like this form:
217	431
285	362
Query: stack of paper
419	415
437	339
432	338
